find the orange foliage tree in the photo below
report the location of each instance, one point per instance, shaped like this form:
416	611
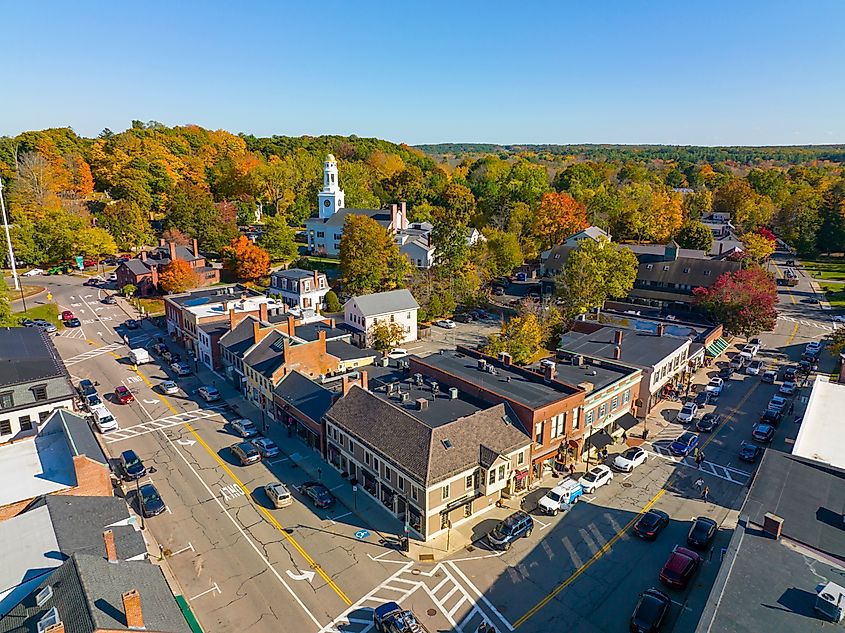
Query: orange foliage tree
177	276
246	260
558	217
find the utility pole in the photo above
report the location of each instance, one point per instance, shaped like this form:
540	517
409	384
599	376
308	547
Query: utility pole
8	239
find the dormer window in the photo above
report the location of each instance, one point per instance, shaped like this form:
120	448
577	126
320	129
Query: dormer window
43	596
649	266
686	270
50	618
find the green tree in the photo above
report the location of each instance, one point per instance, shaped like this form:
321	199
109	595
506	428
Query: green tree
386	336
129	290
127	223
451	227
503	253
521	337
434	309
595	272
695	235
192	211
278	239
332	302
6	318
94	243
698	203
369	257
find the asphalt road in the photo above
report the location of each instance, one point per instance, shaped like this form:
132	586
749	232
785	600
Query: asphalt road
244	565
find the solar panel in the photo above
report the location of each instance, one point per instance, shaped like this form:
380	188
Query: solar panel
197	302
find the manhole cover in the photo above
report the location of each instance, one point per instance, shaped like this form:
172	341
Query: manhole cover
431	612
626	484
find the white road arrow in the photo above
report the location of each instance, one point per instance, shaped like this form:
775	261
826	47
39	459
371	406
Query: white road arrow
150	401
305	575
186	442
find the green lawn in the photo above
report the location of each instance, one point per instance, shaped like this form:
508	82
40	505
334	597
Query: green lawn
153	307
835	294
48	312
826	269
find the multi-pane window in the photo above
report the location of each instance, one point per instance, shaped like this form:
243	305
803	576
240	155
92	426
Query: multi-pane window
40	392
614	403
602	410
520	459
492	478
576	414
5	427
444	492
626	397
469	482
590	417
7	400
25	422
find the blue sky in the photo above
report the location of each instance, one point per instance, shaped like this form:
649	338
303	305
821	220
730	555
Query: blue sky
715	73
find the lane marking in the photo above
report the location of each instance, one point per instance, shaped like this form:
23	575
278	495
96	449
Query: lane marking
213	588
184	549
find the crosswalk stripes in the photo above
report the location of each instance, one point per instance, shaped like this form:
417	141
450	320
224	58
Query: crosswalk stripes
728	473
816	324
157	425
93	353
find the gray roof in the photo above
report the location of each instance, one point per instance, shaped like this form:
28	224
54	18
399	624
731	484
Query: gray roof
268	354
385	302
162	254
419	448
295	273
212	295
600	376
657	252
87	595
305	395
136	267
638	348
347	351
239	339
79	435
215	328
26	355
684	270
311	331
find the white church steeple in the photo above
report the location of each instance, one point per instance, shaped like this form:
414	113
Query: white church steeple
331	198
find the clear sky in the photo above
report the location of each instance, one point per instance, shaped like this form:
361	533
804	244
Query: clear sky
628	71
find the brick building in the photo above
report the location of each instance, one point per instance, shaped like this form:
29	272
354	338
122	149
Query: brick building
143	270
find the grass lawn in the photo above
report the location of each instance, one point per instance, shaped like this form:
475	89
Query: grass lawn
48	312
835	294
153	307
826	269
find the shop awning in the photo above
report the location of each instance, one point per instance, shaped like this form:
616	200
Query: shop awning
599	440
627	422
521	474
716	347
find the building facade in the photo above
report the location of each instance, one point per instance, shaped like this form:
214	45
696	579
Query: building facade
363	312
302	289
143	271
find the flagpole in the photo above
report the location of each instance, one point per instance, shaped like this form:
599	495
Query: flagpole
8	238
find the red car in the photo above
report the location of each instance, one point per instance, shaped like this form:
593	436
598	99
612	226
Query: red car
89	263
67	315
124	395
680	567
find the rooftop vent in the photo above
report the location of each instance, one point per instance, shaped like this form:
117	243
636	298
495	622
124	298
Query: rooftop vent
435	387
418	378
577	360
422	404
772	525
453	393
404	396
482	364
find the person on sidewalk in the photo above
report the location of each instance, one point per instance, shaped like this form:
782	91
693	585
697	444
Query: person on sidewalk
572	468
695	454
705	493
699	483
625	436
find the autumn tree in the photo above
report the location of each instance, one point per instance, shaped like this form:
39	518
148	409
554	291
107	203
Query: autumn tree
748	209
191	210
743	301
758	247
521	337
277	238
595	272
503	253
450	231
558	217
177	276
245	260
386	336
369	257
695	235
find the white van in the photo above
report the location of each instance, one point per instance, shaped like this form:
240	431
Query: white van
139	356
561	497
103	418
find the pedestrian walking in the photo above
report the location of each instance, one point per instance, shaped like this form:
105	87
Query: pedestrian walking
699	483
572	468
126	340
705	493
319	474
698	459
792	406
695	454
624	436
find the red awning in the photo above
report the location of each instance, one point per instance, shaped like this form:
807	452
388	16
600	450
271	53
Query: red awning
521	474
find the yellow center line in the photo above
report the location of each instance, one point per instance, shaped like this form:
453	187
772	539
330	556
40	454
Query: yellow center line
311	562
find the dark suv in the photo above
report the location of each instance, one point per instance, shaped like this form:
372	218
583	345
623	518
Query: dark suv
515	526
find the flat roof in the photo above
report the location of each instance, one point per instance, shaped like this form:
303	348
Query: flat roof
638	348
530	391
822	434
600	376
38	467
222	306
223	293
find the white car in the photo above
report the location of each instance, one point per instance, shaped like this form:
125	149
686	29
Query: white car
839	318
688	413
630	459
813	347
397	353
595	478
278	494
169	387
751	348
449	324
787	388
33	272
715	386
754	368
209	394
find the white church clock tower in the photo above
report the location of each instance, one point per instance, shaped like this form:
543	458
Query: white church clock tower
331	198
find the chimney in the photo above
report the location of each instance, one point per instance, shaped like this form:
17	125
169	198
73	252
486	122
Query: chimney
505	359
291	326
196	248
59	627
422	404
316	279
661	328
393	217
262	311
232	321
321	338
331	323
772	525
161	241
617	337
344	384
256	331
132	608
587	386
617	353
721	247
154	275
172	247
549	372
143	256
365	381
404	215
111	549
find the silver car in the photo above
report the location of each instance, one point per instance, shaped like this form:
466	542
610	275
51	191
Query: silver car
243	427
278	494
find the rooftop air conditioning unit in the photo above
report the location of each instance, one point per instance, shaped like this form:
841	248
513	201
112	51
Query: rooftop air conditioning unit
418	378
491	369
404	396
453	393
435	387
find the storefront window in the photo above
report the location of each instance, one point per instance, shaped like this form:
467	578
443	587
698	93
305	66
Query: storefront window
415	520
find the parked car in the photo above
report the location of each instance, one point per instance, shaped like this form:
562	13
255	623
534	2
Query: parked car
684	444
702	398
45	326
813	347
265	446
391	618
243	427
787	388
92	400
123	395
708	422
463	318
512	528
319	495
561	497
650	611
103	418
446	323
33	272
131	324
209	394
67	315
150	501
132	466
749	452
726	371
86	388
778	403
595	478
245	453
74	322
498	291
92	282
715	386
681	566
763	432
790	373
701	532
278	494
167	355
651	524
771	416
769	376
805	366
159	349
630	459
737	362
751	348
169	387
109	300
688	412
181	368
754	368
28	323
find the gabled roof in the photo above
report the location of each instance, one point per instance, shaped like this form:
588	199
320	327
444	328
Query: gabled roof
305	395
79	435
27	355
267	355
295	273
346	351
136	267
239	339
685	270
385	302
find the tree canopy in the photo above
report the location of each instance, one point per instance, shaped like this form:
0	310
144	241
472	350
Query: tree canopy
369	257
743	301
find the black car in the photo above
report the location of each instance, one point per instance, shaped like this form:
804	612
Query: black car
109	300
167	355
749	452
708	422
726	372
510	529
651	524
650	611
131	324
763	433
86	388
462	318
702	398
133	467
320	495
771	416
790	373
74	322
151	503
701	532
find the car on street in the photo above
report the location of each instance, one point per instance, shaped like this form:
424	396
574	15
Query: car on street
131	324
749	452
446	323
839	318
123	395
751	348
278	494
74	322
790	373
715	386
391	618
708	422
318	494
92	282
763	432
109	300
150	501
132	466
681	566
86	388
787	388
701	532
158	349
688	412
754	368
702	398
560	498
684	444
769	376
28	323
651	524
33	272
397	353
595	478
103	418
726	371
810	300
778	403
771	416
813	347
243	427
92	400
510	529
168	387
181	368
45	325
167	355
737	362
805	366
266	447
67	315
208	393
245	453
630	459
650	611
